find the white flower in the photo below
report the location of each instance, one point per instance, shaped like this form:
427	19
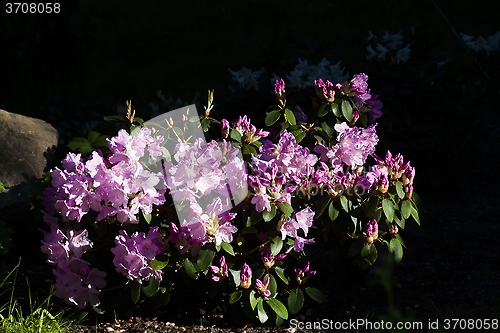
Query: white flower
372	53
246	78
337	74
403	54
392	42
382	51
371	36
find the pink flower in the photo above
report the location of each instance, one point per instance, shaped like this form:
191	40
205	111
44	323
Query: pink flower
262	286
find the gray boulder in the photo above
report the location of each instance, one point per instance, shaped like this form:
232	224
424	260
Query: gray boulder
27	146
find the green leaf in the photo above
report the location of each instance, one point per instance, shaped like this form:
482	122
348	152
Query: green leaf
295	300
369	252
152	287
253	299
347	110
345	203
286	208
328	130
147	217
95	308
300	137
255	217
76	143
157	264
249	150
336	110
363	119
322	110
269	215
399	190
93	136
290	117
396	249
205	258
388	208
414	213
272	117
276	245
398	237
399	221
228	248
320	139
371	206
115	119
332	212
135	292
406	209
321	205
236	135
190	270
281	273
315	294
236	276
272	286
279	321
261	313
1	186
205	125
278	307
365	252
235	297
101	141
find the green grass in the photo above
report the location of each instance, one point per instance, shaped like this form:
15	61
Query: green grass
38	317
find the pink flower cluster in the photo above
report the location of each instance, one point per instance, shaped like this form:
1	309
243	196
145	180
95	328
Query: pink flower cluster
76	283
397	169
207	177
133	254
357	88
249	133
116	187
277	165
353	146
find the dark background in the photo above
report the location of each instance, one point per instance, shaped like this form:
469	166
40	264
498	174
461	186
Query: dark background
73	68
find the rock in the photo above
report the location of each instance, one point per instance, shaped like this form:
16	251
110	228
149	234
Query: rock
26	149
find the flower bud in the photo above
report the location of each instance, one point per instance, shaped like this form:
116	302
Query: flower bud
246	276
393	229
224	128
279	91
371	232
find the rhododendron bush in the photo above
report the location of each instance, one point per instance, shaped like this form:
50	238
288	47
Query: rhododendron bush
233	211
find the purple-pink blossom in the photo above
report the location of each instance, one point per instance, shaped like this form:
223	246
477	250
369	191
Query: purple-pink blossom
133	254
262	286
302	275
245	276
371	232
